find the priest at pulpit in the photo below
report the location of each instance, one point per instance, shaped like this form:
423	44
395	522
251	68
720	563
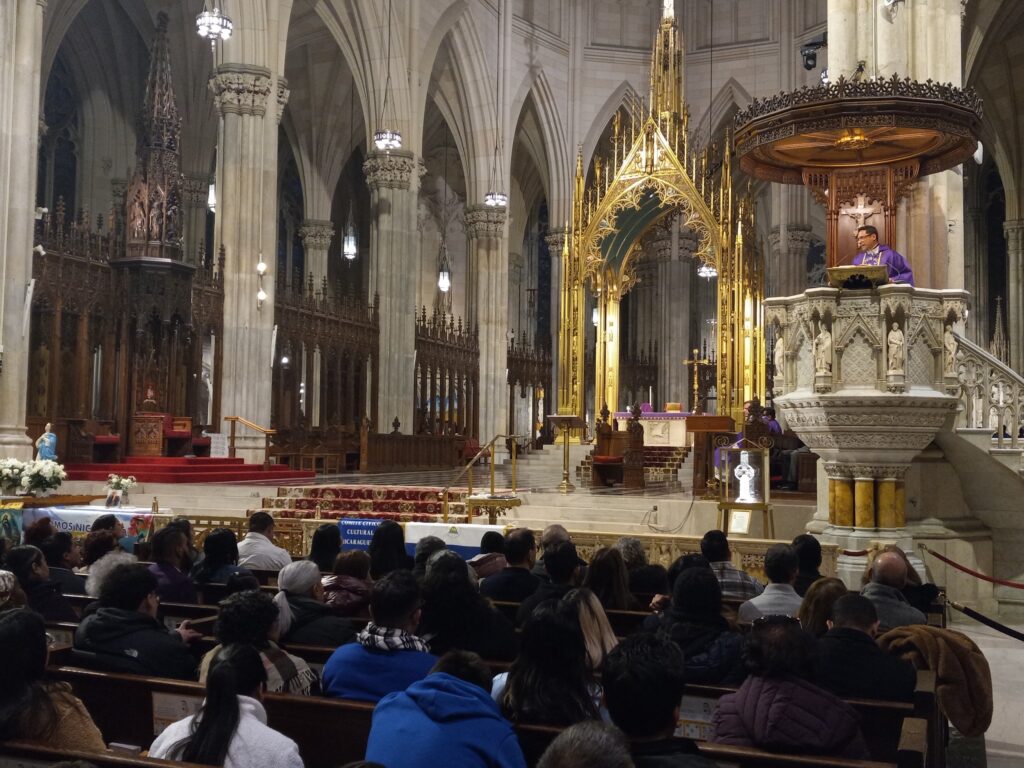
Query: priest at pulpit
871	253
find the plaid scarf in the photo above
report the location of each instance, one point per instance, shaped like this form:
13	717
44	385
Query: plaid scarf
389	639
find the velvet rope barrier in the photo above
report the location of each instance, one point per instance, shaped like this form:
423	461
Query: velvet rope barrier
979	617
975	574
855	553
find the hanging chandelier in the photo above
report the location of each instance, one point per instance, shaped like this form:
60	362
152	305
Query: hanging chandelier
495	198
211	198
349	247
387	139
213	25
444	272
707	271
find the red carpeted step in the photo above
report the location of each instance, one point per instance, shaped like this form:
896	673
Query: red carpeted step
185	470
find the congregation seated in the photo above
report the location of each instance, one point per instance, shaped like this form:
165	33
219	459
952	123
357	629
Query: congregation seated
644	578
816	608
608	579
848	661
491	558
426	548
919	593
387	550
551	535
110	522
735	583
643	681
38	532
33	709
562	565
124	635
598	636
44	595
712	649
304	616
257	549
102	568
387	656
778	708
779	597
885	590
550	682
220	558
95	545
514	583
589	744
347	589
170	566
326	546
251	617
808	553
63	554
230	729
456	616
448	717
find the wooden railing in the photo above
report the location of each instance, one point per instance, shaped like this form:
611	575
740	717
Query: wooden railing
267	434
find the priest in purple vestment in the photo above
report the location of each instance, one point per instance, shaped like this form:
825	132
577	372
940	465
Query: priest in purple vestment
871	253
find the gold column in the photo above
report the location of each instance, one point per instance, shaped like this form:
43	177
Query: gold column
887	510
832	500
844	502
900	520
864	502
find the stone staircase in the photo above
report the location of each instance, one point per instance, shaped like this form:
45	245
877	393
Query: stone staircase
539	469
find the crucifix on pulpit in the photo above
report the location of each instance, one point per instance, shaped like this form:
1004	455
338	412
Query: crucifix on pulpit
696	362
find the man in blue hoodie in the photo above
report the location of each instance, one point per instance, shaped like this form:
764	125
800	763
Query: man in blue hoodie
446	719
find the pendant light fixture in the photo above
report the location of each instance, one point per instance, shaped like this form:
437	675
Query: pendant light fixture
213	25
444	268
349	244
495	197
387	139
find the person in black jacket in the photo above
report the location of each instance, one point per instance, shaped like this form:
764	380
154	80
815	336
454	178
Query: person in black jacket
457	617
808	552
515	582
304	616
848	661
44	595
562	565
124	634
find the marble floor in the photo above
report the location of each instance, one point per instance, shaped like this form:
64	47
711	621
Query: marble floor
1004	741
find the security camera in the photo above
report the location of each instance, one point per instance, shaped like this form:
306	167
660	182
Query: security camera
809	51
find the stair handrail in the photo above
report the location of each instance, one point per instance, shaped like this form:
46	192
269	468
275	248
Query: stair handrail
467	470
989	388
266	431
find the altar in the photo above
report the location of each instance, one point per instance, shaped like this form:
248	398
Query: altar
666	428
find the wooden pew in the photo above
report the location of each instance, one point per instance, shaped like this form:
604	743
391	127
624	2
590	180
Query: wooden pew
15	754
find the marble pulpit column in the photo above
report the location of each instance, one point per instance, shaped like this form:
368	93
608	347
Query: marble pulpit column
555	239
487	255
249	100
1014	231
21	25
393	181
316	240
195	196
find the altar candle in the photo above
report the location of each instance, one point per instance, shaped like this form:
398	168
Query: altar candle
650	396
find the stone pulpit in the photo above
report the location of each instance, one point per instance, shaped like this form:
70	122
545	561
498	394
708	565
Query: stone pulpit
864	380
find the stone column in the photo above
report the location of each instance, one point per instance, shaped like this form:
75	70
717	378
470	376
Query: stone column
976	272
555	239
21	24
316	240
249	101
391	179
1014	231
195	192
487	255
863	499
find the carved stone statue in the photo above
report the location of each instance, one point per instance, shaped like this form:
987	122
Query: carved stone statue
823	351
950	345
746	473
897	356
46	445
779	356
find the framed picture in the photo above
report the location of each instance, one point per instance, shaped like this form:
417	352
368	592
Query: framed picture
738	521
113	498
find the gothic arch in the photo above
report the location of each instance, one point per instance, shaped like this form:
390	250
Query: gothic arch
621	95
557	158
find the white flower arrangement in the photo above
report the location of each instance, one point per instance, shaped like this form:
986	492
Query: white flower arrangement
119	483
11	473
44	475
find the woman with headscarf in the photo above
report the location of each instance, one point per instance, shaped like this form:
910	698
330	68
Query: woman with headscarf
304	616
